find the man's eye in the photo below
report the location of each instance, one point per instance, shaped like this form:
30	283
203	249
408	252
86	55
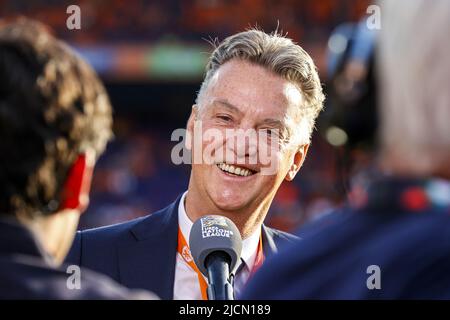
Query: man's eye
224	118
271	132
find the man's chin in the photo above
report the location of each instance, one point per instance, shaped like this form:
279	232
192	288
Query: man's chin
230	204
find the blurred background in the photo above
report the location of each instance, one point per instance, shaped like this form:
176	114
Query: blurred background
151	56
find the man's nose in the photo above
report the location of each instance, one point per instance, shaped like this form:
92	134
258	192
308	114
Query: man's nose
243	143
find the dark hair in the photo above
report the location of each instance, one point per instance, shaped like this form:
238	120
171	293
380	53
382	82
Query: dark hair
52	108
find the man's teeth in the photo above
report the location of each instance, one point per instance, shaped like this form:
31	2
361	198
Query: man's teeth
234	169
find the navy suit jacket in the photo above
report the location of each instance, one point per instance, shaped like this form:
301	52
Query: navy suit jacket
141	253
26	272
399	230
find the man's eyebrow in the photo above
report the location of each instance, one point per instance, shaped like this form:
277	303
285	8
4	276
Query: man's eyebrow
269	121
274	123
226	104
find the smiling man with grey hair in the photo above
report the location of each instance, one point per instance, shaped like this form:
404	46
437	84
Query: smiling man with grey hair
255	82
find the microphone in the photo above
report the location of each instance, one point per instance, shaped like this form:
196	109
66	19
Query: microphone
216	245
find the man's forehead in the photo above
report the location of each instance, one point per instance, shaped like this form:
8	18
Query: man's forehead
246	86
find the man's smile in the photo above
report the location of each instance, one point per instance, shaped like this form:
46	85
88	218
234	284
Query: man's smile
235	170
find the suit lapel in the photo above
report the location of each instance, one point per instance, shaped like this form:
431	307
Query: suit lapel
269	246
148	259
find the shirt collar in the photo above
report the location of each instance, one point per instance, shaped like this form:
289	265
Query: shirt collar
249	245
183	220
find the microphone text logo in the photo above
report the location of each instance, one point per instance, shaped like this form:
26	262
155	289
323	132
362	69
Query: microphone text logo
211	227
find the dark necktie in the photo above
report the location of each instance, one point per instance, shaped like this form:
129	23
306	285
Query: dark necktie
240	278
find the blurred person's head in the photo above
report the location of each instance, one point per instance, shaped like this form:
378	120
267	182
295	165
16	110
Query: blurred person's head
414	76
55	120
260	83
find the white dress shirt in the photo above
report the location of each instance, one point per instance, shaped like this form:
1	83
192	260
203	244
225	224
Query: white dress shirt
186	286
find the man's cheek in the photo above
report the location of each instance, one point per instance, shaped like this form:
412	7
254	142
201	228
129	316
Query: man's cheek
212	146
269	159
271	168
205	145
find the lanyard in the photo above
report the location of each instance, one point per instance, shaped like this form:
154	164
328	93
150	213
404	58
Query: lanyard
183	250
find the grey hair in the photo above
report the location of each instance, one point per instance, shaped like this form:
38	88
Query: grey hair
279	55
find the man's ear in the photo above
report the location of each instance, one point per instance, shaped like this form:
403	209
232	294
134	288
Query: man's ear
299	158
190	126
75	193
